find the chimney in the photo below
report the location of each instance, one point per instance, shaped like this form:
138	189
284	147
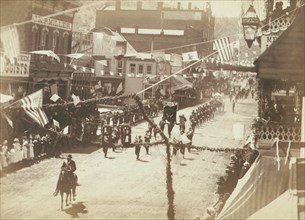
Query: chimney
190	6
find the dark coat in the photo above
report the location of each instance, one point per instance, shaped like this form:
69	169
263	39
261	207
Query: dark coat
71	166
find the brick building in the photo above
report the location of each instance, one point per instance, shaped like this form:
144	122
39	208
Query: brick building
31	72
148	26
54	33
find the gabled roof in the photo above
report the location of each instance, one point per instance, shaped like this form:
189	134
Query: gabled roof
284	59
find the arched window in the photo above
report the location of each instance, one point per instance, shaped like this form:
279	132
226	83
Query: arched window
55	43
35	41
44	38
65	45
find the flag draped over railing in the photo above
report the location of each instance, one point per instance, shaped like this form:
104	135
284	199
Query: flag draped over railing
32	106
223	48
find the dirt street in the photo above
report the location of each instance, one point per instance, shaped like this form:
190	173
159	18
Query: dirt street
122	187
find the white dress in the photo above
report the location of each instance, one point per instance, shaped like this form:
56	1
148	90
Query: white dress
25	150
12	156
3	156
18	152
31	150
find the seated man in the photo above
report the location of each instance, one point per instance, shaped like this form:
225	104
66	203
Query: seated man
69	166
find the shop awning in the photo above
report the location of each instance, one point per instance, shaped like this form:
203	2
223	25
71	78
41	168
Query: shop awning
179	83
284	59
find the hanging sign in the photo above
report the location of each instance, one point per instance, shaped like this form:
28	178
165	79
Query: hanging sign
38	19
20	68
267	40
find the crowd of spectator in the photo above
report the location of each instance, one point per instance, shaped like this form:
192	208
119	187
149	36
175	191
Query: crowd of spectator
29	149
239	164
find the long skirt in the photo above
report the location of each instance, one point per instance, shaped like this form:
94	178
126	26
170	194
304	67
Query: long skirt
24	153
3	160
31	152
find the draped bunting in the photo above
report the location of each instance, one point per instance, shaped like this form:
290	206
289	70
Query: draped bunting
48	53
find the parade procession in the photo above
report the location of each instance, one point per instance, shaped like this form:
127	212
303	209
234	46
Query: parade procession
152	109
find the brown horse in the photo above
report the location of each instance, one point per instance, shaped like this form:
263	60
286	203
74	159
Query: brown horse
67	186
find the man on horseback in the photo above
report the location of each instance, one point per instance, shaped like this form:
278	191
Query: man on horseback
69	167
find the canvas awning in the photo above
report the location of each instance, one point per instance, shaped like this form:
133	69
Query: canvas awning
262	184
284	59
179	83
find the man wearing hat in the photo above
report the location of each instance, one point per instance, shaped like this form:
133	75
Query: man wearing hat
182	121
69	166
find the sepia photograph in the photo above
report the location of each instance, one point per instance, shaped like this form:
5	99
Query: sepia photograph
152	109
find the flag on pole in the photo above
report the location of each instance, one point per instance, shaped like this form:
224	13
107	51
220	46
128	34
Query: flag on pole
48	53
223	48
56	123
119	89
76	99
10	42
54	98
66	130
190	56
32	106
54	89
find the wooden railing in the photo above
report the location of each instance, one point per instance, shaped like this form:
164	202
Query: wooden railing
284	132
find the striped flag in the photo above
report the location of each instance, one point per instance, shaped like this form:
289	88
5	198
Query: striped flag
32	106
223	48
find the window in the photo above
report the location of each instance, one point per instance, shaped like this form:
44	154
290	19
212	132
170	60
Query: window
140	69
65	45
148	69
44	38
55	42
35	41
120	66
128	5
132	68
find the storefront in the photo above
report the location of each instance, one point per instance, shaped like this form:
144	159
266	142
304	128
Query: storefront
281	82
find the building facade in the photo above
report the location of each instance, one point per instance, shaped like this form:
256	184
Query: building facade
153	25
53	33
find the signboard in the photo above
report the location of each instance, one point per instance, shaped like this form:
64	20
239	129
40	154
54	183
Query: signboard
267	40
176	60
103	45
20	68
38	19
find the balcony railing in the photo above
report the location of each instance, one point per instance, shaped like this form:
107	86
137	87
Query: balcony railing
284	132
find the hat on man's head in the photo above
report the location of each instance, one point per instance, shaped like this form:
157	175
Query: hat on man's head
5	142
69	156
16	140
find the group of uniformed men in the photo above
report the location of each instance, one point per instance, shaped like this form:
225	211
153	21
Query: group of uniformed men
204	113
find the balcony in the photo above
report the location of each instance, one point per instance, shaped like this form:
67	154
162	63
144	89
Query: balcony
267	133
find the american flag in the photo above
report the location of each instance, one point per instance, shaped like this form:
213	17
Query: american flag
32	106
223	48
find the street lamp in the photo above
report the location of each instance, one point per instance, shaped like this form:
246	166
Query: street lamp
250	22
